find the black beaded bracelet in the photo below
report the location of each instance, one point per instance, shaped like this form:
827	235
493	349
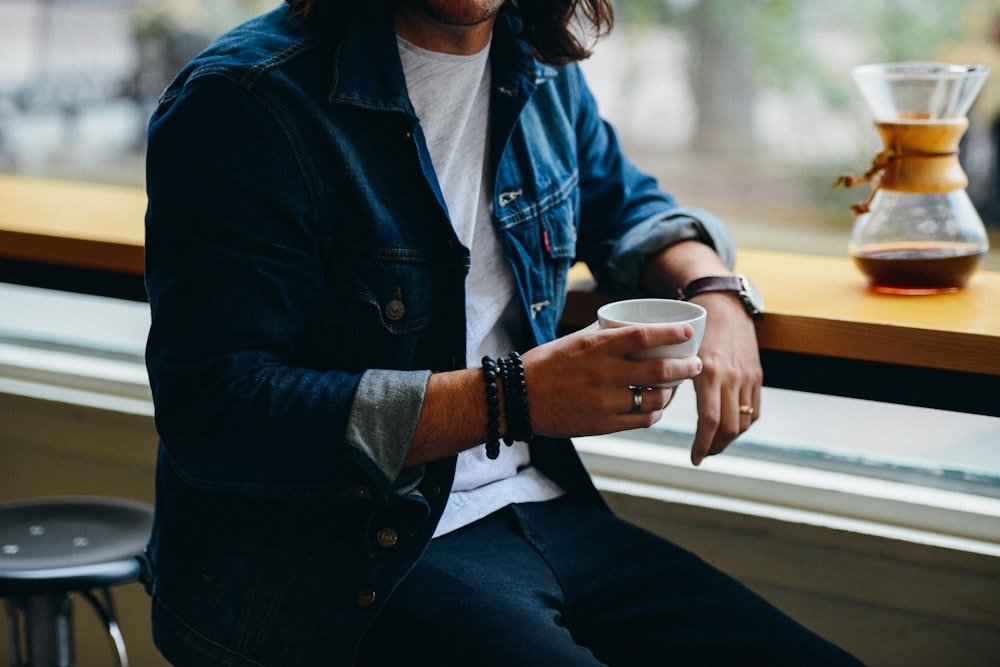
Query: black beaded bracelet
503	375
516	399
492	408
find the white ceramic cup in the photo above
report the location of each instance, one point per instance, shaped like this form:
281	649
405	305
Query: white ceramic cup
657	311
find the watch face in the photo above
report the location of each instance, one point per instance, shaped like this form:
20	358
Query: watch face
752	293
752	296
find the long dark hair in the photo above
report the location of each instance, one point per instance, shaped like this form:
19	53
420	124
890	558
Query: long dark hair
559	31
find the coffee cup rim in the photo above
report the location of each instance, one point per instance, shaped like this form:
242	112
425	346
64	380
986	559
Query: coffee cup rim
696	312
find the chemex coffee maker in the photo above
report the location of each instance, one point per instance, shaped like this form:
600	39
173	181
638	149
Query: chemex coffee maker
918	232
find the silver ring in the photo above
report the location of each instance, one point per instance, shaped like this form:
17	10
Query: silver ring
636	399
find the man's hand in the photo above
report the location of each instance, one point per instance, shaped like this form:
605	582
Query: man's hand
581	384
728	389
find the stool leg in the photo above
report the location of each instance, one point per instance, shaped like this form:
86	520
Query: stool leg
48	623
14	633
107	613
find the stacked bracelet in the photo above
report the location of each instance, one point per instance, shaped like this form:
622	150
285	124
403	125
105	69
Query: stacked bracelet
503	374
510	372
492	408
515	392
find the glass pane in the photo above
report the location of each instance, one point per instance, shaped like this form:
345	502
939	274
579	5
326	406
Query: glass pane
79	78
907	444
750	110
744	108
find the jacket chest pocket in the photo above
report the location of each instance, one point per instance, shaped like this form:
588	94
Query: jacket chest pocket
541	234
380	313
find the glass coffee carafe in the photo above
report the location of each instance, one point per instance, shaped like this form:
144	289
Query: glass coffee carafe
918	232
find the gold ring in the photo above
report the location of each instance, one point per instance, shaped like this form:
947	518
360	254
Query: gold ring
746	410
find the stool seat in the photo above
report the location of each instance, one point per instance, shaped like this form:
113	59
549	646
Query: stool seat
63	544
52	548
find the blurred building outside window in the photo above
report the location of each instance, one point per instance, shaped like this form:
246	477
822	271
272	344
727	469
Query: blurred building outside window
743	107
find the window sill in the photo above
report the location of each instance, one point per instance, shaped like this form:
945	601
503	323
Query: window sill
631	464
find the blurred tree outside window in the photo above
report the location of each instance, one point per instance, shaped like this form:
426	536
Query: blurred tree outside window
744	107
79	78
748	108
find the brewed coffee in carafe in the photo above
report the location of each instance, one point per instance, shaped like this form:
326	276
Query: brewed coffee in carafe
918	232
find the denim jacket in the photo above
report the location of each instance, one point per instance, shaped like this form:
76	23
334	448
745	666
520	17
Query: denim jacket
305	280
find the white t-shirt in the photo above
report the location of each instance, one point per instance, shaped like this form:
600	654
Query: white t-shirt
455	125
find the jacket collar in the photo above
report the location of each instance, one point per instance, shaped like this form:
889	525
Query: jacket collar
367	71
366	68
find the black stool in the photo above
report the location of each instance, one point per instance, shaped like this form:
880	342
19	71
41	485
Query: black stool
51	548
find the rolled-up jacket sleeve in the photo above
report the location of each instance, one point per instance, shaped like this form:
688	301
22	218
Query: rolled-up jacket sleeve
651	236
377	433
626	218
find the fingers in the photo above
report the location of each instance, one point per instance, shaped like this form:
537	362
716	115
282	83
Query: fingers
625	355
645	406
729	402
728	391
630	340
723	418
580	384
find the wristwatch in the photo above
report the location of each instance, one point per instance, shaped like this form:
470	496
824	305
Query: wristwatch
739	285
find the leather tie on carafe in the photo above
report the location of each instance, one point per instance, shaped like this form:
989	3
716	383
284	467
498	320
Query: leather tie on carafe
918	157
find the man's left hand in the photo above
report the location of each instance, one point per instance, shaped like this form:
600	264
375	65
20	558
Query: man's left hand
728	389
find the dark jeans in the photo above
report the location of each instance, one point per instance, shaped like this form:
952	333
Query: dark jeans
562	584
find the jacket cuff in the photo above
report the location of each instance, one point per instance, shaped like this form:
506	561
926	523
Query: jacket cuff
384	416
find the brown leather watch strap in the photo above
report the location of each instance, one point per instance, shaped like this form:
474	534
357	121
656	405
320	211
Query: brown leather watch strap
711	284
738	285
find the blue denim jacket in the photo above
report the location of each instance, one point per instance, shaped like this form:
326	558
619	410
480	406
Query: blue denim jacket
304	281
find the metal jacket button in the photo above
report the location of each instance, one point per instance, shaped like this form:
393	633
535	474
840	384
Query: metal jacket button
387	538
366	598
395	310
509	197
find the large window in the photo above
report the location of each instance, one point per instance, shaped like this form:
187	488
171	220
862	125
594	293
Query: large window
743	107
749	109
